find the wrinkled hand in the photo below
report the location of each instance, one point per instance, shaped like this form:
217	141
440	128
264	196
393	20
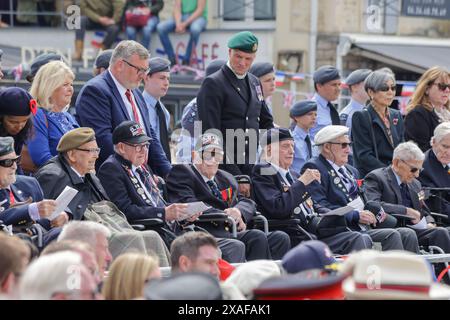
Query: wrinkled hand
309	176
235	213
194	217
46	207
60	220
367	217
413	214
244	189
175	211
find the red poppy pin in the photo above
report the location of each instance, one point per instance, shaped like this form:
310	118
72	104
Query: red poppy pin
395	121
33	106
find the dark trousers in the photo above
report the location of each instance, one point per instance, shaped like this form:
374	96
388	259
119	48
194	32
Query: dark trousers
112	31
260	246
391	239
434	237
233	251
347	242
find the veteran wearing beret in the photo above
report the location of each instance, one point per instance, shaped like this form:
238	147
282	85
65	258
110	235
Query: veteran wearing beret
304	115
327	83
232	100
338	187
265	72
101	63
283	195
156	85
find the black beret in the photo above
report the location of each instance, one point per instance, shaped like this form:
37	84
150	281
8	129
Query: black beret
326	74
158	64
275	135
6	145
103	58
303	107
214	66
39	61
131	132
15	101
260	69
244	41
357	76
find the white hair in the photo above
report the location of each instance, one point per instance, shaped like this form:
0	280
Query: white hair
50	274
84	231
408	151
440	132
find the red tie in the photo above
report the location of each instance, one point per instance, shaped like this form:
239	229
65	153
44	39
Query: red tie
133	106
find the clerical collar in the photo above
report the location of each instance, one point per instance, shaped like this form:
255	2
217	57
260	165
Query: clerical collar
240	77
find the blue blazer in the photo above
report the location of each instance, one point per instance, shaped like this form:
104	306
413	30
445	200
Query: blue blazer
100	106
22	189
47	133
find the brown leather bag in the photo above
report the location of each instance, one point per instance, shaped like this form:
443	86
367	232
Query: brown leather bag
26	163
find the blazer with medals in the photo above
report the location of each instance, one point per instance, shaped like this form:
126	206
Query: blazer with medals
117	179
100	106
23	189
56	174
364	156
434	175
222	105
185	184
381	186
331	192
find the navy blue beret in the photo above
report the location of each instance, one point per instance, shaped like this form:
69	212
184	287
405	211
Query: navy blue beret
260	69
158	64
326	74
39	61
6	145
103	58
357	76
275	135
15	101
302	107
214	66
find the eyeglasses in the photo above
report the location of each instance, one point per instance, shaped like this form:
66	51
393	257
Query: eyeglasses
442	86
386	88
8	163
91	151
343	144
412	169
139	147
139	70
208	155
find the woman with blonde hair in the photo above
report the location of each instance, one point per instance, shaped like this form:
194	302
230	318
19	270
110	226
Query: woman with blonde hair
128	275
53	89
428	107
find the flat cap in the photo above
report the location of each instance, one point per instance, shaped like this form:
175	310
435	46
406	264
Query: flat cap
244	41
214	66
158	64
103	58
6	145
275	135
208	141
131	132
329	133
39	61
302	107
260	69
75	138
15	101
357	76
326	74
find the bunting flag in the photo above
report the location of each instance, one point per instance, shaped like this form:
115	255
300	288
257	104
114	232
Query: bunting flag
97	41
288	100
199	74
298	76
408	90
279	78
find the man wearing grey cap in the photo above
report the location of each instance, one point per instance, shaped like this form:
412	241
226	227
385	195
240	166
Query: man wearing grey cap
338	187
101	63
156	85
327	83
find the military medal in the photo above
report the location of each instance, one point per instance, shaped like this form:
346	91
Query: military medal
421	195
297	210
140	191
336	180
332	173
2	209
309	202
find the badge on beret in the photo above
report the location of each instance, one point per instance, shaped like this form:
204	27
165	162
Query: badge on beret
259	93
255	47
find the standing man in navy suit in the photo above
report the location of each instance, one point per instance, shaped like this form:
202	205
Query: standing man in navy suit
113	97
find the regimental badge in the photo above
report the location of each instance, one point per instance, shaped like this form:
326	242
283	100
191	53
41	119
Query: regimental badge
259	93
336	180
255	47
140	191
421	195
297	210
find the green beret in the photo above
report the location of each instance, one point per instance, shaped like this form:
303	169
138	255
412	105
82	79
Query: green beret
244	41
75	138
6	145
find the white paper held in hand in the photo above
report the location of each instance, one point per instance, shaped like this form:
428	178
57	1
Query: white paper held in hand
63	201
194	208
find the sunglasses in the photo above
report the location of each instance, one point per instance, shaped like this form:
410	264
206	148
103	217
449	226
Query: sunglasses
386	88
8	163
411	168
442	86
343	144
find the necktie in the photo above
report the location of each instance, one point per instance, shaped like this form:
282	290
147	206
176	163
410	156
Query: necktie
406	198
308	144
350	183
149	184
335	120
214	189
133	106
289	178
163	132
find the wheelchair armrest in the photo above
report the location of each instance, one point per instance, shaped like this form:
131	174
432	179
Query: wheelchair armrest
36	232
259	218
144	224
219	216
402	219
138	227
441	219
439	215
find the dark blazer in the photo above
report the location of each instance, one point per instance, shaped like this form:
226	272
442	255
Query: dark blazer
381	186
24	188
331	192
222	105
117	183
100	107
434	175
185	184
56	174
419	126
363	148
